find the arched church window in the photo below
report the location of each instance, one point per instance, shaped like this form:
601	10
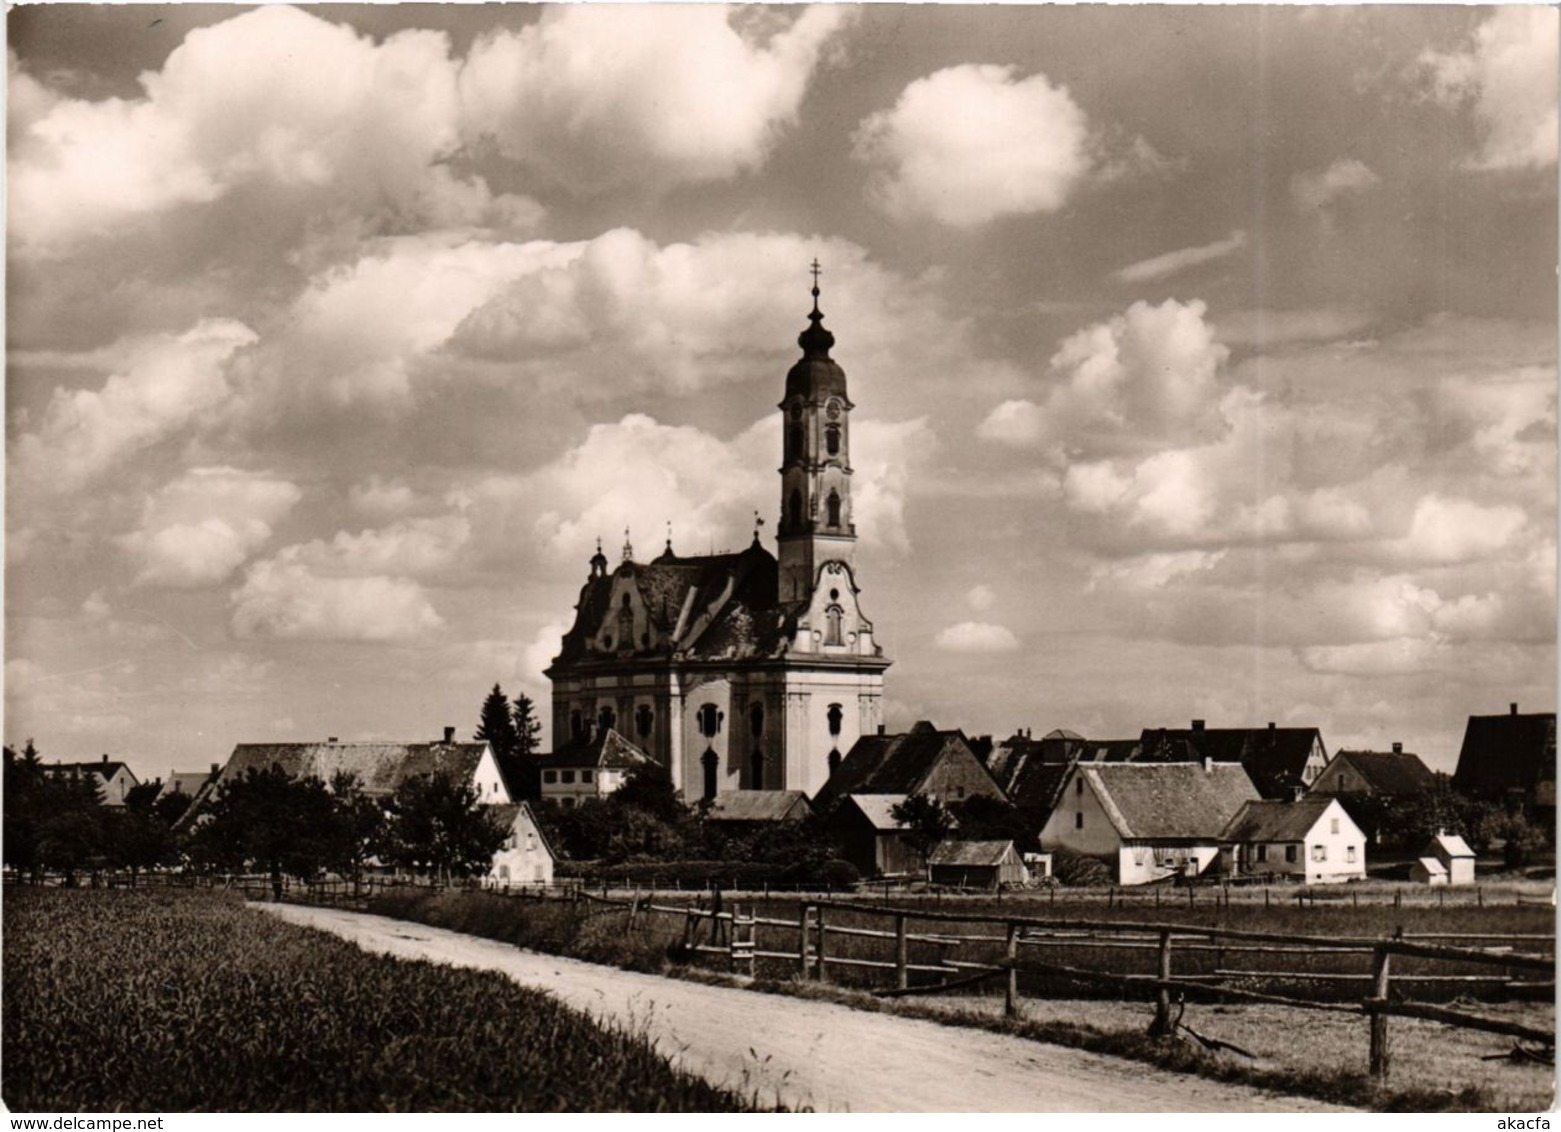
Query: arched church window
643	718
794	442
576	724
711	763
709	720
833	616
834	762
794	507
832	439
606	718
756	720
834	508
835	716
758	771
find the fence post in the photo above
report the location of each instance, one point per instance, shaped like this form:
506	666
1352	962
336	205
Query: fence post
818	971
1011	999
901	953
1380	1053
802	940
1161	1026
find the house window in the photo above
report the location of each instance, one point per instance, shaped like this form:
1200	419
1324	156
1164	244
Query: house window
1078	819
550	776
1262	852
1349	854
1289	854
1333	825
1138	857
1078	787
566	776
1319	852
585	776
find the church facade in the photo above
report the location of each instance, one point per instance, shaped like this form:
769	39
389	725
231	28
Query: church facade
749	670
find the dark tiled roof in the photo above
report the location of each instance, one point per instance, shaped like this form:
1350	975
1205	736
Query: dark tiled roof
1275	757
759	806
1276	821
970	853
106	769
891	764
1506	752
1397	773
607	750
1173	801
379	767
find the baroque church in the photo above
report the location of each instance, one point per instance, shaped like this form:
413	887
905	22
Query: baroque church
747	670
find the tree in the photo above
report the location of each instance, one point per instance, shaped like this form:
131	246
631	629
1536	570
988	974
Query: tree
496	726
437	822
357	827
268	820
25	787
648	787
925	820
527	727
71	830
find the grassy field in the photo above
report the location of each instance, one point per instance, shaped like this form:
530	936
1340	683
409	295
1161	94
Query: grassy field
177	1001
1319	1054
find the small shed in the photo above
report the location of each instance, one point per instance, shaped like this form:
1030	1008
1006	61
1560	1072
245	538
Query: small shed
870	838
1039	866
1428	870
758	808
976	864
526	857
1454	854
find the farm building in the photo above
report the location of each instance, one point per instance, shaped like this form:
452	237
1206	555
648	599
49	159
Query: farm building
1277	759
1149	821
379	767
1376	774
114	780
589	768
923	760
1453	854
1031	772
526	857
1312	839
1428	870
870	837
988	865
1510	759
752	809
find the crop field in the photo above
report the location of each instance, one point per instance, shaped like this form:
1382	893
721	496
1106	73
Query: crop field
175	1001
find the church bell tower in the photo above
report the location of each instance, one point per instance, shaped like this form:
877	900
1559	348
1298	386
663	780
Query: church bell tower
815	521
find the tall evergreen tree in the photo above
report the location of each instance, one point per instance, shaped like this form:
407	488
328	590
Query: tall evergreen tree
496	726
528	728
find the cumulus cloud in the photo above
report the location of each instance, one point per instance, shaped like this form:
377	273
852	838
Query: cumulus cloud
1172	263
287	600
1016	422
976	637
597	97
276	98
1445	531
165	382
972	143
1508	75
199	528
1345	177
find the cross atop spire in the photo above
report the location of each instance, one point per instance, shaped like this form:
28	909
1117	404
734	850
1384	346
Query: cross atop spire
815	340
817	271
628	548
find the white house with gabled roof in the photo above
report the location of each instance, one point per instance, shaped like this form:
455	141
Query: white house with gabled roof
1313	840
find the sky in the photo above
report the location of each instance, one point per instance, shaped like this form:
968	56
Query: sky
1204	358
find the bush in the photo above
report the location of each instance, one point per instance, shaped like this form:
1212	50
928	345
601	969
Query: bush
840	874
1078	871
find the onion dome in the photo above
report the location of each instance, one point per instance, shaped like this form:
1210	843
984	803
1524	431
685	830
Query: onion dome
817	375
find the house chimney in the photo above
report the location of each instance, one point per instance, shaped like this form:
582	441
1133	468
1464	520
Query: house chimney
330	738
449	734
1514	709
105	757
1208	764
1271	725
880	729
1398	748
1297	793
1197	725
215	768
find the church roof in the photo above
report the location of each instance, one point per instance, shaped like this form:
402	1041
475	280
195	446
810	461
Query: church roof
816	375
607	750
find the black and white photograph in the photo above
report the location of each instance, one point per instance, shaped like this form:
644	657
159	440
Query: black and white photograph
837	558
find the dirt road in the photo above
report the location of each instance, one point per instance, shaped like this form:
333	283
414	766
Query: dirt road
813	1054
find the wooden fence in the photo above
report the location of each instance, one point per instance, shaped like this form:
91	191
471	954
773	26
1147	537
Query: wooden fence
1018	945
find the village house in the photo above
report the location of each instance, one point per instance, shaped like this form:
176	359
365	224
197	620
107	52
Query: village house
987	865
526	857
746	811
592	767
1375	774
1279	760
1031	772
1149	821
379	767
113	779
923	760
1447	856
871	838
1311	839
1510	759
187	782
